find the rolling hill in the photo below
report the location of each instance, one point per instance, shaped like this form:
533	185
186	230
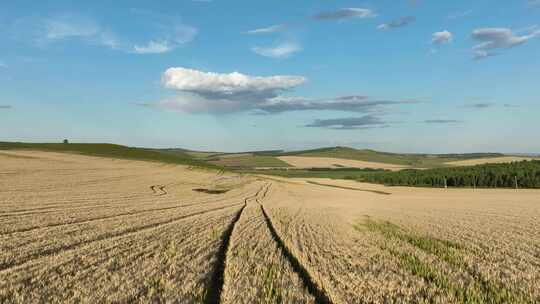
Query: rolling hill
109	150
412	160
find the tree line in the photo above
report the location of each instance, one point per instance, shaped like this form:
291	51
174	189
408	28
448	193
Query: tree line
524	174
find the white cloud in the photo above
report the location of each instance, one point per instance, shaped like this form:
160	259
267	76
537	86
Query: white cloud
224	85
206	92
153	47
346	13
279	51
267	30
442	37
491	39
2	64
216	93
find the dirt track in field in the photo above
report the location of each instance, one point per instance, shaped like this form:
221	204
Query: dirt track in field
87	229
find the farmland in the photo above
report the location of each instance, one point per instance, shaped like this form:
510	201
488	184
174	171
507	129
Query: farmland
88	228
340	157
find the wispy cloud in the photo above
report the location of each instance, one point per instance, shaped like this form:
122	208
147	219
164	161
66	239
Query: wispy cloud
153	47
443	37
170	35
491	39
67	26
271	29
400	22
353	103
479	105
43	31
164	33
5	107
346	13
278	51
534	3
349	123
460	14
2	64
442	121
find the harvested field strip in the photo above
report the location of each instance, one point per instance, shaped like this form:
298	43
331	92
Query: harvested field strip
147	241
482	290
317	292
64	235
125	200
104	217
151	254
105	236
113	206
213	295
349	188
97	219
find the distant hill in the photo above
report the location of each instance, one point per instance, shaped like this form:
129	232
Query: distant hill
109	150
251	159
414	160
270	158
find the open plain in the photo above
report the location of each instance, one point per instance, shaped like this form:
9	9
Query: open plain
86	229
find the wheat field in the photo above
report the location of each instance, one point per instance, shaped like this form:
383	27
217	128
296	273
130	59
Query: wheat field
490	160
80	229
303	162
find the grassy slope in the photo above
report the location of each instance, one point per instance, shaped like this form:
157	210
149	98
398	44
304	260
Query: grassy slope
345	173
415	160
249	161
109	150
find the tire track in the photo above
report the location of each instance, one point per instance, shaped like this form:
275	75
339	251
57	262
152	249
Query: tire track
307	279
213	296
107	236
159	190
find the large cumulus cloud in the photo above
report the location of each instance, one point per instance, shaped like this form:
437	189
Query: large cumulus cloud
221	93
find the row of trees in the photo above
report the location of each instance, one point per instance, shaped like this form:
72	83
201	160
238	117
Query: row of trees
525	174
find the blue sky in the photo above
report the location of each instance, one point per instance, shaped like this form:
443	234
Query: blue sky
404	76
